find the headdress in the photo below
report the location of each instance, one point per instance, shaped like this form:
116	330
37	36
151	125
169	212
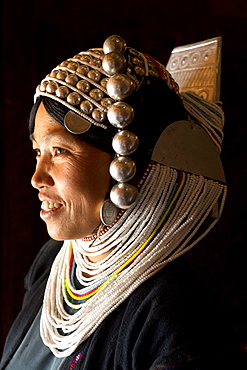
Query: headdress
95	85
182	187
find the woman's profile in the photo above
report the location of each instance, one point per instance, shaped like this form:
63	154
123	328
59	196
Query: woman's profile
129	178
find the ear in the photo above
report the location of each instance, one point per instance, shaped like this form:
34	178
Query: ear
187	147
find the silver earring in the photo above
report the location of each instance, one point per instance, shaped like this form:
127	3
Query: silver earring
108	212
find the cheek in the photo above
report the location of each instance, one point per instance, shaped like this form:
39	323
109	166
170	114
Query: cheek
87	181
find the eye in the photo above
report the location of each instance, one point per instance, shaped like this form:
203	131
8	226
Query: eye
58	151
36	152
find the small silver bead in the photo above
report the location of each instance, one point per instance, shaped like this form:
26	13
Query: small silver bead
106	102
73	65
61	75
95	62
122	169
154	73
123	195
96	94
139	71
43	85
120	114
119	87
114	62
85	58
53	73
71	79
86	107
125	142
51	87
62	92
98	115
137	61
94	75
114	43
83	86
64	63
83	70
104	81
74	98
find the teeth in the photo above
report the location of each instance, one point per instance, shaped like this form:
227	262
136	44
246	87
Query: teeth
47	206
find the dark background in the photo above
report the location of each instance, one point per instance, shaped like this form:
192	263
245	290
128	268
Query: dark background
36	36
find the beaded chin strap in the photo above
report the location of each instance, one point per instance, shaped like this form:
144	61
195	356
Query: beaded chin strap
94	85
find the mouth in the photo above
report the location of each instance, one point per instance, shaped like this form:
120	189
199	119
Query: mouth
49	208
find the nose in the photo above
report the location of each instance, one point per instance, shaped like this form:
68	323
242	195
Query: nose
42	176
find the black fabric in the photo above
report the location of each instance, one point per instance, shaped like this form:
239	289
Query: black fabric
169	322
35	283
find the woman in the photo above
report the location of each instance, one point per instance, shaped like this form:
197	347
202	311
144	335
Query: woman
124	204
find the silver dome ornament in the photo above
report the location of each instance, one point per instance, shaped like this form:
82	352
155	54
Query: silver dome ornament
122	169
61	75
54	73
51	87
96	94
114	43
123	195
120	114
114	62
71	79
86	107
125	142
98	115
42	86
106	102
62	92
73	66
119	87
74	98
83	85
104	81
94	75
83	70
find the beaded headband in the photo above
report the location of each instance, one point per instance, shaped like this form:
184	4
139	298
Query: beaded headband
94	85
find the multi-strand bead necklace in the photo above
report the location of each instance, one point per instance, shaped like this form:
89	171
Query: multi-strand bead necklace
162	225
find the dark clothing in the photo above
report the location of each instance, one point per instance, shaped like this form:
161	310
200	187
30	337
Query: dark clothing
169	322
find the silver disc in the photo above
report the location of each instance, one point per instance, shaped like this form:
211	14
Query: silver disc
75	123
108	212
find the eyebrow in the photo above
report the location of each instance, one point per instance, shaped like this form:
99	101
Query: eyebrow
45	137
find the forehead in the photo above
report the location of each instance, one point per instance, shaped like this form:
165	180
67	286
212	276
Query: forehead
45	128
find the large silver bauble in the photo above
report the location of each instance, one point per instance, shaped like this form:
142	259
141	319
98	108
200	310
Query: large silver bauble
114	43
123	195
120	114
122	169
119	87
125	142
114	62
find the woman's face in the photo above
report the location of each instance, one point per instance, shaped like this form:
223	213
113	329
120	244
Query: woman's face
72	177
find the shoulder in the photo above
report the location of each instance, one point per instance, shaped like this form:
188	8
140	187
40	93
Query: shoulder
43	262
174	319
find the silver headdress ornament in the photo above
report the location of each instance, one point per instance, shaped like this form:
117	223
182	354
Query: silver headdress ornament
94	85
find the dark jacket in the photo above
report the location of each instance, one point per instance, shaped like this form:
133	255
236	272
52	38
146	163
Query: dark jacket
169	322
